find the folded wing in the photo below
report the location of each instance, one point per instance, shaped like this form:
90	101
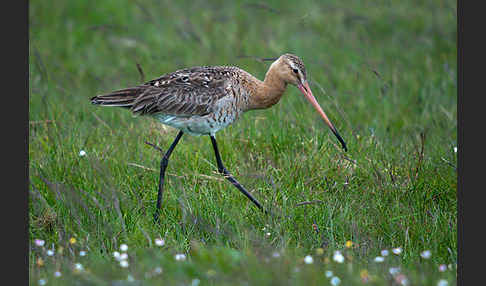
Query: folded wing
186	92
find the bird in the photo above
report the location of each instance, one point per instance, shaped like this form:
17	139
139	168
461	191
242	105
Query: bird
202	100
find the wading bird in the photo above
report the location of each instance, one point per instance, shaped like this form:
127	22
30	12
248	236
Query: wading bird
203	100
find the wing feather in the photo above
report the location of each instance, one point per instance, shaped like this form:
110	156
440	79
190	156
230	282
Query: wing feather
186	92
192	91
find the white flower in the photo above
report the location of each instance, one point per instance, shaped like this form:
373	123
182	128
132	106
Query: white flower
180	257
82	153
57	274
116	254
442	282
123	247
42	282
455	149
39	242
157	270
426	254
308	259
385	252
403	281
159	242
394	270
50	252
78	267
268	234
379	259
82	253
335	280
442	267
329	273
338	257
397	250
195	282
124	263
123	256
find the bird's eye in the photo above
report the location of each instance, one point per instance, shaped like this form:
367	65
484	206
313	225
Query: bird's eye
295	70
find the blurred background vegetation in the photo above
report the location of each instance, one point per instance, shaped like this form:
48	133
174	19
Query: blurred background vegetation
385	72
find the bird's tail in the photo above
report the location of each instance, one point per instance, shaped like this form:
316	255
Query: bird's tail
122	98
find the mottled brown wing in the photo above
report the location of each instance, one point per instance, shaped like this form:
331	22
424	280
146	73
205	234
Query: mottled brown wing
193	91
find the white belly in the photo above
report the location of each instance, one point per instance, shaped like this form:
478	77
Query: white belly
193	125
224	113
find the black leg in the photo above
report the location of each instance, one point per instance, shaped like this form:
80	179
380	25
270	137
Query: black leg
163	165
230	178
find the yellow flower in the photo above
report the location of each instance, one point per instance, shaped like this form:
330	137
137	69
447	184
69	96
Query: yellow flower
40	262
72	240
364	275
211	272
319	251
349	244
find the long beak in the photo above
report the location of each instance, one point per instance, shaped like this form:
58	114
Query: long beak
305	89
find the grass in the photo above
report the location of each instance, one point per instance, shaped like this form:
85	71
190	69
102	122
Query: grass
384	72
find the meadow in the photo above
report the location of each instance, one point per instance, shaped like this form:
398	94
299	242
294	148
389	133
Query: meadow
382	213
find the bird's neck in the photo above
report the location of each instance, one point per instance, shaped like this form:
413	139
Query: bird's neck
267	92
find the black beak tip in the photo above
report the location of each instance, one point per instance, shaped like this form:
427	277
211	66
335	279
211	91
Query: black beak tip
343	144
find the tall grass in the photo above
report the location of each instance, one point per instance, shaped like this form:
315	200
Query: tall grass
384	72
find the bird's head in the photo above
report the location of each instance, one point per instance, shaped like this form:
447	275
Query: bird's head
291	70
